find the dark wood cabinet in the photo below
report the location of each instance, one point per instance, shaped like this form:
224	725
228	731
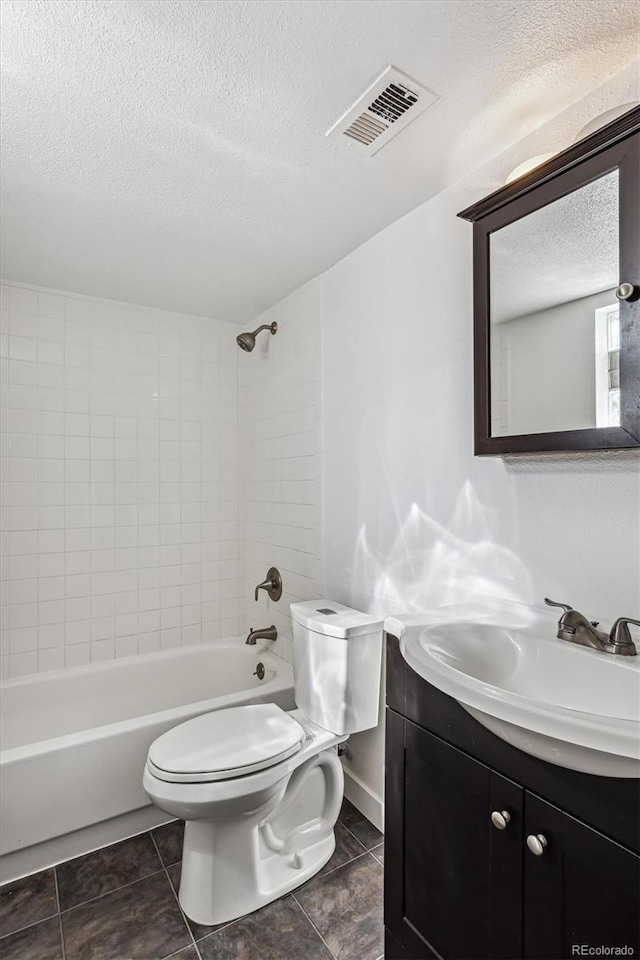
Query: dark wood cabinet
462	865
459	888
584	888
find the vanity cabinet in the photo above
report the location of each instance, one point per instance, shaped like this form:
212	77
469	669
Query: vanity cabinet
458	886
583	889
463	871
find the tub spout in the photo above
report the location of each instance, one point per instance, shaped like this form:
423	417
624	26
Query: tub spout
262	633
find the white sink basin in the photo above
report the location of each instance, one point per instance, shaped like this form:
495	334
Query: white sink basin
572	706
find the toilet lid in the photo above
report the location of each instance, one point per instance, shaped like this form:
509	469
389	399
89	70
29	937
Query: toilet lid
226	743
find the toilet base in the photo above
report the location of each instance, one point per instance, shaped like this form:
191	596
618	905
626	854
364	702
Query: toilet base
208	902
233	867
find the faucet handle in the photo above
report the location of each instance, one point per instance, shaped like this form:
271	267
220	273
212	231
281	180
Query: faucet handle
554	603
272	585
620	634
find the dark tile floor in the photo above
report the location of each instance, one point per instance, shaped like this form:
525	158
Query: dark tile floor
120	903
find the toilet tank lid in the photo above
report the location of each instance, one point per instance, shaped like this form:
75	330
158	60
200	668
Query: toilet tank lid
334	619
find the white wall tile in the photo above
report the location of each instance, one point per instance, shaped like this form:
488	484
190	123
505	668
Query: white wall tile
112	421
22	664
279	463
51	659
78	655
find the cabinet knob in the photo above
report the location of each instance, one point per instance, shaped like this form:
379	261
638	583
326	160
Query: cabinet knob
500	818
625	291
536	843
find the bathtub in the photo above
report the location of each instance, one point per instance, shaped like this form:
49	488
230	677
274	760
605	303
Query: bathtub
74	742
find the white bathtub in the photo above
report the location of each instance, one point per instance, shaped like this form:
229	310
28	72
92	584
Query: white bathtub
74	742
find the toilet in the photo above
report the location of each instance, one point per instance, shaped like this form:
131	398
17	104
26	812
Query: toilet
259	788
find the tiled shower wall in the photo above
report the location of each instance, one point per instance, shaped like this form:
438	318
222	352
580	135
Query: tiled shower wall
280	454
119	480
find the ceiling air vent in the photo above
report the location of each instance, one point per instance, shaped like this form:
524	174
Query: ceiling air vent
389	105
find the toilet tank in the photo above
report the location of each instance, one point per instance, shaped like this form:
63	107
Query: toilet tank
337	656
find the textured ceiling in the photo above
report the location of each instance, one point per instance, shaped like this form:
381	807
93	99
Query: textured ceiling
172	153
562	252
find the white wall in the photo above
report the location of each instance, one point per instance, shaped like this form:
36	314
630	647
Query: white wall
412	520
359	412
550	358
279	426
119	480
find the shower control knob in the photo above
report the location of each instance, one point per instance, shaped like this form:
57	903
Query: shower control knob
626	291
500	819
536	843
272	585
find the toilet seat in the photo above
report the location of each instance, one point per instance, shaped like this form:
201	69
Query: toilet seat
226	744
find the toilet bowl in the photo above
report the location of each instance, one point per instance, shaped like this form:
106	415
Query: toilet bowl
259	788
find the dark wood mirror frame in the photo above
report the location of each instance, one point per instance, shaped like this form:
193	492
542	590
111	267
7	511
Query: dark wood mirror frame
615	146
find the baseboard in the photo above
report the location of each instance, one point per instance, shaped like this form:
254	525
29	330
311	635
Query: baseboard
41	856
364	799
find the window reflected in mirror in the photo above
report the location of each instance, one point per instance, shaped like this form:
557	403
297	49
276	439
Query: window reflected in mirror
607	336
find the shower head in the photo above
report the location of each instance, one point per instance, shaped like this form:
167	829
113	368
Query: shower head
247	341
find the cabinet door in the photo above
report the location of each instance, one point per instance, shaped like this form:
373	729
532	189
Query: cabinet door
462	876
583	890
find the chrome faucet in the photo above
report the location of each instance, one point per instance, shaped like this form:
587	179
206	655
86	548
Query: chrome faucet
262	633
576	628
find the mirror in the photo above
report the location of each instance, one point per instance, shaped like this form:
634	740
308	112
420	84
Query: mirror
554	334
556	355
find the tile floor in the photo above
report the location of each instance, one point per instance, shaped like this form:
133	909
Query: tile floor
120	903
